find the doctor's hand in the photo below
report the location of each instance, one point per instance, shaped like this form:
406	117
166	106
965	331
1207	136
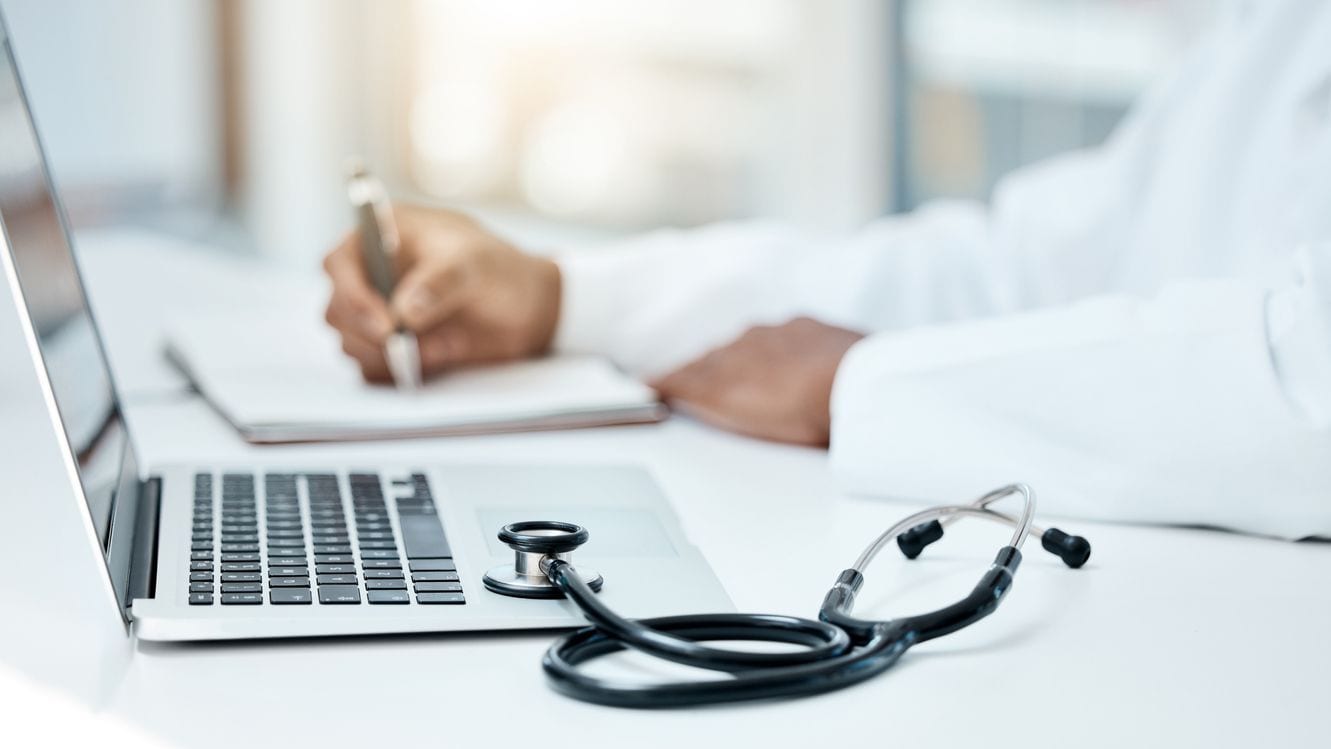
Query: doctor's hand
771	382
469	295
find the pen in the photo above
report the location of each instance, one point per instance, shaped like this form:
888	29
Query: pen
379	246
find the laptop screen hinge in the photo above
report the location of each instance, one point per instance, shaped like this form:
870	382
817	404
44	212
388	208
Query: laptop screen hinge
143	565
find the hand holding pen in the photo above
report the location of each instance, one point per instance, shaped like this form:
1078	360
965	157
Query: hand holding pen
380	247
467	295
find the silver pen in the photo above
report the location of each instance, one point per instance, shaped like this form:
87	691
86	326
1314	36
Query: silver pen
379	243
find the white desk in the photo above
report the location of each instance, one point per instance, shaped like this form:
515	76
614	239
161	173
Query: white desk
1167	638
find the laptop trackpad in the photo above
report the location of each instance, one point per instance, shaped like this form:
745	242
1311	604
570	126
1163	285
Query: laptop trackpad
614	532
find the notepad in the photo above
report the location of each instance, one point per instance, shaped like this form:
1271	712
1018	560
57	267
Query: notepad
290	382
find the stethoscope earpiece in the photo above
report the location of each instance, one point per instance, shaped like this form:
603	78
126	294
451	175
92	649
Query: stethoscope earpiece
535	544
1074	550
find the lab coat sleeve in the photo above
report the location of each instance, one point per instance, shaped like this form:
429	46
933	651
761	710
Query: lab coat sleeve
1208	404
656	301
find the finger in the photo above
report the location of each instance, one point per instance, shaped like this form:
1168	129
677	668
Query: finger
431	292
351	335
708	394
370	357
693	381
459	341
365	316
441	348
696	390
352	290
715	416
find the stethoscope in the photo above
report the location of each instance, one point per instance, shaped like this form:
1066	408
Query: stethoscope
838	650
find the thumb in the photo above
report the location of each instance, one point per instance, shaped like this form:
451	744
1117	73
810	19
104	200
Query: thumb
430	293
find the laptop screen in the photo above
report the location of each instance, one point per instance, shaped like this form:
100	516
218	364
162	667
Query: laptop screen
50	287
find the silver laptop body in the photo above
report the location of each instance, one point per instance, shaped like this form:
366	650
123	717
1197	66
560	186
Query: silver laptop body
212	552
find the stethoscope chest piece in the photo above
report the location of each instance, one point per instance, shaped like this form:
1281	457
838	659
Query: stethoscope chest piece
534	542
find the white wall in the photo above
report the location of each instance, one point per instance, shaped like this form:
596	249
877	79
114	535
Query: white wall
125	96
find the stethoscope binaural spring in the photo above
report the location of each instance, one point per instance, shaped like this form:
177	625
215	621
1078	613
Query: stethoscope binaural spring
837	651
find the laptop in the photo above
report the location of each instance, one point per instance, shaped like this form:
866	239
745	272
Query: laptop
218	552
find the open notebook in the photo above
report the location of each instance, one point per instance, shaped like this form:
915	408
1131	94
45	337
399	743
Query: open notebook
284	381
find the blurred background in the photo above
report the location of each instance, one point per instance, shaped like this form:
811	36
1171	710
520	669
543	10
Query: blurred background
231	121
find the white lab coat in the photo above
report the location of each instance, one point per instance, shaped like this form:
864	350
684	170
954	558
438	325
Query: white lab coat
1142	331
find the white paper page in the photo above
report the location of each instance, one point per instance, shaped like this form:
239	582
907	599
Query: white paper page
263	373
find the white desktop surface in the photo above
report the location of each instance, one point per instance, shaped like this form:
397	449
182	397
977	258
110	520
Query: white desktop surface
1169	637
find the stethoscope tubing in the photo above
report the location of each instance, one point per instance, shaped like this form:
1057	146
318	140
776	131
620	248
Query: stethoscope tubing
839	650
830	663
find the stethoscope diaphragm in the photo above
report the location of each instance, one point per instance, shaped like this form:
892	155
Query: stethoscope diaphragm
535	542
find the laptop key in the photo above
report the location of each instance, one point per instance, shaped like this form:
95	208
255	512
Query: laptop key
242	588
281	596
286	543
337	579
242	577
434	577
287	553
200	577
239	548
438	587
340	549
240	567
201	556
245	557
239	528
240	538
242	599
335	569
288	571
389	574
285	532
201	566
389	596
454	598
335	594
200	587
200	599
433	565
378	544
297	581
381	564
331	539
333	559
391	585
379	554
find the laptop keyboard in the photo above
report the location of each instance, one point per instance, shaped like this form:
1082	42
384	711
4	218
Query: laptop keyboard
249	547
